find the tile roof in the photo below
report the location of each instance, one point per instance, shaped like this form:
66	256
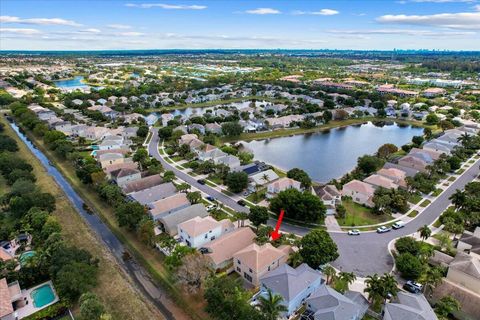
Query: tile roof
143	183
198	225
223	248
168	204
6	307
259	257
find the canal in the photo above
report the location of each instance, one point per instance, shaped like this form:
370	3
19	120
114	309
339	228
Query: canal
136	271
330	154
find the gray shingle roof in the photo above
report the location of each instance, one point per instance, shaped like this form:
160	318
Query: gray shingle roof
155	193
329	304
171	220
289	282
409	306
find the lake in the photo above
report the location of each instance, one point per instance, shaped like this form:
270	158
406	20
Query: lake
330	154
75	82
193	111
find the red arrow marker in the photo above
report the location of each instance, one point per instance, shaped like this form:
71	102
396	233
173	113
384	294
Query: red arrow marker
275	234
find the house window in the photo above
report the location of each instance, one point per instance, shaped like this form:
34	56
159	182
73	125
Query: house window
238	269
251	271
206	236
247	276
238	261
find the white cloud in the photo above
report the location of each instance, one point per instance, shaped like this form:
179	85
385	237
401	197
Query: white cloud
91	30
263	11
463	20
166	6
131	34
322	12
39	21
477	7
119	26
21	31
403	32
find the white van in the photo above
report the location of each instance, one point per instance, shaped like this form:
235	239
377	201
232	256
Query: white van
398	225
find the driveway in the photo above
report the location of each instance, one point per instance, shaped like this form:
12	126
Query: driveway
365	254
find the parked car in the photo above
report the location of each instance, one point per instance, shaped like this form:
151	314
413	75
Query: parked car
242	203
354	232
383	229
413	287
201	181
211	207
210	198
398	225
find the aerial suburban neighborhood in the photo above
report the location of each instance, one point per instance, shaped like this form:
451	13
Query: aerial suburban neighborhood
257	183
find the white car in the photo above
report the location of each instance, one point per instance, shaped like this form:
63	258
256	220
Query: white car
211	207
383	229
354	232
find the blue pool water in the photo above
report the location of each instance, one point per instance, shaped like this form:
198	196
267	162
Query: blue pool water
24	257
43	295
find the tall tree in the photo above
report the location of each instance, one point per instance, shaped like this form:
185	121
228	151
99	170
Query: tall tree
271	306
317	248
425	232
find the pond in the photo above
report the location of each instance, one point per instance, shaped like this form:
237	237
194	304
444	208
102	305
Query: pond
330	154
75	82
198	111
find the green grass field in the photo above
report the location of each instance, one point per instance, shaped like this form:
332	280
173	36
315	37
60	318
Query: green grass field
358	215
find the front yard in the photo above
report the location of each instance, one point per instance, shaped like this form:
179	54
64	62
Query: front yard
358	215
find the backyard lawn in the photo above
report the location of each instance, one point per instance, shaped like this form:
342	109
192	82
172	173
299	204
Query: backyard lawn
358	215
414	198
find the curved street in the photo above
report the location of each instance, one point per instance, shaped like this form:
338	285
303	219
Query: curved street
365	254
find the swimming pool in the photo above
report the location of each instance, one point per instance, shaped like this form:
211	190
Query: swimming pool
43	295
24	257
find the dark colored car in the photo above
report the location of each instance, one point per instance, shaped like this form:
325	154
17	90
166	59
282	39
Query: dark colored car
412	287
201	181
242	203
210	198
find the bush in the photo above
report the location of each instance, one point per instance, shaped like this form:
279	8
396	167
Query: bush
408	245
410	266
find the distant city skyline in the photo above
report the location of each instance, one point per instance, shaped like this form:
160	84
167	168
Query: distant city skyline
192	24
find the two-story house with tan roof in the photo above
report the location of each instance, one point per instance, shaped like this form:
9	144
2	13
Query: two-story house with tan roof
198	231
254	261
282	184
378	181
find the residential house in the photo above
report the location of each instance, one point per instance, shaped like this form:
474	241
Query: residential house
165	118
209	153
282	184
5	255
168	205
464	271
95	133
169	223
408	306
327	303
414	162
377	181
108	159
438	147
359	191
293	285
142	184
264	177
330	196
284	122
221	250
213	128
187	138
254	261
147	196
113	167
151	119
470	242
125	175
396	175
230	161
196	127
425	154
200	230
112	142
434	92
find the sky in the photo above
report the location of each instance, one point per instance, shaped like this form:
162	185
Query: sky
199	24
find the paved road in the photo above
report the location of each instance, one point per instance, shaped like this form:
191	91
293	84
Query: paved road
153	151
365	254
138	274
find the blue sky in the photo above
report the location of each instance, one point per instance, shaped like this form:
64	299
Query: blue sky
313	24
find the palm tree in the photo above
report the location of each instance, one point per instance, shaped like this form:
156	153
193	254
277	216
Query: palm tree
348	277
295	259
425	232
390	286
444	241
265	177
271	305
432	278
330	272
464	139
374	288
458	199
